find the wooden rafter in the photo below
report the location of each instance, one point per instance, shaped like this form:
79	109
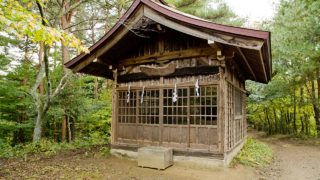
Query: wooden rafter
263	66
245	59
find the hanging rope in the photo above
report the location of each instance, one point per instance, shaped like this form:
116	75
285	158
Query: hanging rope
175	96
128	95
197	88
142	95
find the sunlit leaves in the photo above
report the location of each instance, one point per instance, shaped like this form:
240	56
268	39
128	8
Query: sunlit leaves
16	20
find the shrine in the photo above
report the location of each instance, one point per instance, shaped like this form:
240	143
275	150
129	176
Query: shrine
178	81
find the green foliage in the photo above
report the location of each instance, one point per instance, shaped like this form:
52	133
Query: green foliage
213	10
18	21
290	102
254	153
48	147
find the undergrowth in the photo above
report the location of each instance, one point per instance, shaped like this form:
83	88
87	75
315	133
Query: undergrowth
254	153
47	146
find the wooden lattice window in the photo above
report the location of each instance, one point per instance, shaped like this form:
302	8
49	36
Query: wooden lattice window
203	109
127	110
238	104
175	112
149	108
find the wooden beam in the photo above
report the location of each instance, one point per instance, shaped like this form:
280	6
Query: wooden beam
116	37
263	66
217	37
159	27
169	85
178	72
158	58
215	47
203	60
131	69
245	59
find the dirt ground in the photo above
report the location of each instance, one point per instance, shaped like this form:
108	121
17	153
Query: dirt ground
294	159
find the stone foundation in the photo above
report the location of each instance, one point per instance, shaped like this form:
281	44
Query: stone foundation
190	161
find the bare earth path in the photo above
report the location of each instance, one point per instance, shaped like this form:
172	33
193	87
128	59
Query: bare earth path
293	160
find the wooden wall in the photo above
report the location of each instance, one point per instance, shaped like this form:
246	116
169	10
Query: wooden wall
170	40
178	136
236	126
220	138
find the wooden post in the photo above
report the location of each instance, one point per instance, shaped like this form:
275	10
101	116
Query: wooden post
137	115
188	131
223	109
161	115
114	108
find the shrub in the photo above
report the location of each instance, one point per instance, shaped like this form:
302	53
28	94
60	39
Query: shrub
255	153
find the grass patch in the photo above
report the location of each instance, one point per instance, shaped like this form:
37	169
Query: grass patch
254	153
50	148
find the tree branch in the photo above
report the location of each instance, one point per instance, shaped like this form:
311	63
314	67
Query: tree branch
57	1
61	14
41	13
82	22
62	85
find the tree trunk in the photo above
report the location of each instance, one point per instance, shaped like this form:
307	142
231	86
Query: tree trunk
120	11
54	130
315	108
96	88
41	108
65	59
107	23
294	111
69	130
38	128
72	128
270	127
307	123
65	49
40	62
63	129
300	113
275	120
43	135
318	83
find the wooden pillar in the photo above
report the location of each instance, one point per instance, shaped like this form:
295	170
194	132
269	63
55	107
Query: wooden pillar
222	112
114	109
188	130
161	115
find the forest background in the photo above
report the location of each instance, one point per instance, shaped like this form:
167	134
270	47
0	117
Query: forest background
78	111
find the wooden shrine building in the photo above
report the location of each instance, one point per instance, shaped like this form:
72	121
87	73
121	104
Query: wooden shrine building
156	57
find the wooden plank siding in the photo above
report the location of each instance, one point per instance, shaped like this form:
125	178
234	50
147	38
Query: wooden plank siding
217	138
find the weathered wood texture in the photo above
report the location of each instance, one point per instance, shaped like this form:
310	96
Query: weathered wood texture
233	75
115	106
169	41
180	80
187	71
230	117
